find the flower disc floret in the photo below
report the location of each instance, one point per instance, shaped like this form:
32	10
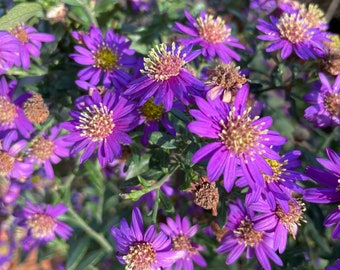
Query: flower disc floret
141	256
20	33
152	112
6	163
332	103
42	148
96	122
41	225
8	111
247	235
212	30
278	170
105	59
162	64
293	28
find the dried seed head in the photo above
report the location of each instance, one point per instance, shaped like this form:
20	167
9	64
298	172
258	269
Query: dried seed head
35	109
205	194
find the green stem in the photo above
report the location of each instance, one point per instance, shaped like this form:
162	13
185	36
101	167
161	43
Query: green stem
99	238
327	142
155	208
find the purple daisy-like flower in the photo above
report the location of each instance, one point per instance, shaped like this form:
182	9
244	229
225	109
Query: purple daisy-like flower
106	57
165	77
238	140
267	6
213	35
152	115
143	250
9	191
292	32
42	224
11	115
30	43
278	187
103	122
9	49
180	232
140	5
325	100
10	165
45	150
329	178
242	236
335	266
278	220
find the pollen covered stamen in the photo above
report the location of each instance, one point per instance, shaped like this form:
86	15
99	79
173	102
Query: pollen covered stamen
141	256
278	170
240	136
246	234
96	122
181	242
42	226
293	28
7	111
42	148
212	30
293	218
225	78
105	59
313	15
35	109
332	103
163	64
20	33
152	112
6	163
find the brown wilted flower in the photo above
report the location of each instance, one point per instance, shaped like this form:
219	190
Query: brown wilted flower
205	194
219	232
35	109
225	80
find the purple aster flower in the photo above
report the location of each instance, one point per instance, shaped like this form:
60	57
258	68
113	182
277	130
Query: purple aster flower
278	220
11	115
325	100
9	191
165	77
292	32
213	35
30	43
42	224
9	49
45	150
278	187
239	140
335	266
267	6
329	178
180	232
10	164
143	250
103	122
242	236
141	5
151	115
106	58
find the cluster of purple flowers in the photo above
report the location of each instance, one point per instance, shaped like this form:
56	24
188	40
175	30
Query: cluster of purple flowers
236	147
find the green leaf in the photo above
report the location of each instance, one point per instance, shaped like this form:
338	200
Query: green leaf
21	13
73	2
165	203
94	174
77	252
92	258
163	140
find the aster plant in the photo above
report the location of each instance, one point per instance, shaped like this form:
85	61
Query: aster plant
139	249
103	122
165	77
325	101
329	193
239	139
106	58
9	48
213	35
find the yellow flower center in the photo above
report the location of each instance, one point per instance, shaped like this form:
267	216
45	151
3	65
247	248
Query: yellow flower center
41	225
141	256
105	59
151	111
8	111
277	168
20	33
6	163
332	104
42	148
246	234
293	28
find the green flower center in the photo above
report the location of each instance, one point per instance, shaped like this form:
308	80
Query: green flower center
151	111
105	59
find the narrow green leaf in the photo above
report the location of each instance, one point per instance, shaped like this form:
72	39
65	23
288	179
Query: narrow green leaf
92	258
165	203
77	253
94	174
21	13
